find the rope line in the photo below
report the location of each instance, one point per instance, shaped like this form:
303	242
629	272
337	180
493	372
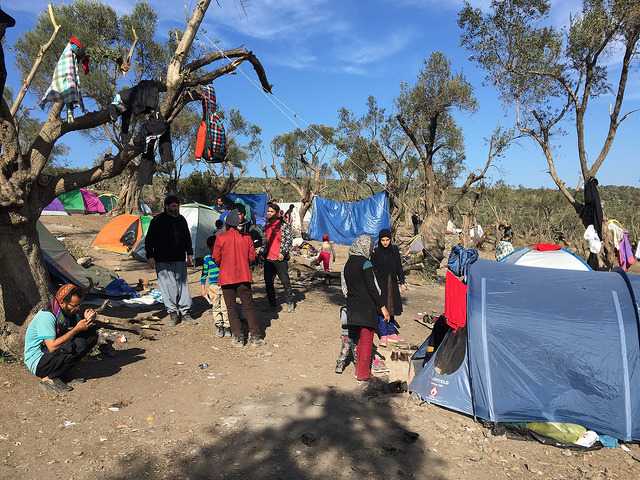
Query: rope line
337	165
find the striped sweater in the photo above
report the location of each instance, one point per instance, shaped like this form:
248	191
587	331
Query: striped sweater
209	270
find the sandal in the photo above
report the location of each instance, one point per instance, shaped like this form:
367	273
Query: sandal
56	385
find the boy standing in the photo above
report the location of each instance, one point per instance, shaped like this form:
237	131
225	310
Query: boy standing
210	272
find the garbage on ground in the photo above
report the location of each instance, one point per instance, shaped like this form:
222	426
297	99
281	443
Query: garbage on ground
309	438
122	339
203	366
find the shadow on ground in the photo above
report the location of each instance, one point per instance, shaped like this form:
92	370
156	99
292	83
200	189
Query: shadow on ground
356	436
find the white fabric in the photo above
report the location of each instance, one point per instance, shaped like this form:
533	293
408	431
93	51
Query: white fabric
591	236
617	232
638	251
477	230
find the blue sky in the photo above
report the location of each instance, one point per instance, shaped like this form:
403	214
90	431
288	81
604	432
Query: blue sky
322	55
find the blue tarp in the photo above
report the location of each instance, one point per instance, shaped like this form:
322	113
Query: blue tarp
257	201
545	345
343	222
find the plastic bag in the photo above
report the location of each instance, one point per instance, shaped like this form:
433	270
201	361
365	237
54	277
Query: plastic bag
563	432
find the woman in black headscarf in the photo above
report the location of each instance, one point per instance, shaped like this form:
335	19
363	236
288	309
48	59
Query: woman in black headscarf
387	266
363	301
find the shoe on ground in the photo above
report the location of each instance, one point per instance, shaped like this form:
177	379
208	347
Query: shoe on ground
237	342
383	366
56	385
188	319
363	382
257	341
339	366
220	331
290	308
383	340
375	366
173	319
227	332
395	338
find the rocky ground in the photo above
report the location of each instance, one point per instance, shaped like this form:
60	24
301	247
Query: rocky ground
187	406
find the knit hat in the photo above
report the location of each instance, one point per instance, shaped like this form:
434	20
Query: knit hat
232	219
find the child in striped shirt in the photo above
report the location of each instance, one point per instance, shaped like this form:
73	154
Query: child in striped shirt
213	293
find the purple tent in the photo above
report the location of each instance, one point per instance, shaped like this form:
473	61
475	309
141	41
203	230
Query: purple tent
54	208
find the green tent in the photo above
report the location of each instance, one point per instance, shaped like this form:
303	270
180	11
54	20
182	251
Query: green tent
109	200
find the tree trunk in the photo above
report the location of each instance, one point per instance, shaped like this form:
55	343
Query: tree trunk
21	294
432	230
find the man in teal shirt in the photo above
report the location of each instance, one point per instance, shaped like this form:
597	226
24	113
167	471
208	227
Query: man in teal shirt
57	338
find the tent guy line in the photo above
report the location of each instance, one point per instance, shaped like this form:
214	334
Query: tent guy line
335	163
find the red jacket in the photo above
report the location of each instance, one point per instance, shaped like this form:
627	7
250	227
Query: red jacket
232	252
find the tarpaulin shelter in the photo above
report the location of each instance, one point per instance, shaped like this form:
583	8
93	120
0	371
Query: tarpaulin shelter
343	222
54	208
547	256
66	269
256	201
542	345
202	222
122	234
109	200
81	201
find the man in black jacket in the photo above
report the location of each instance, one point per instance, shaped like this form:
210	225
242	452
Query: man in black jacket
167	243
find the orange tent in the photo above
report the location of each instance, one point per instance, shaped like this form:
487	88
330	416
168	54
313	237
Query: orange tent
122	234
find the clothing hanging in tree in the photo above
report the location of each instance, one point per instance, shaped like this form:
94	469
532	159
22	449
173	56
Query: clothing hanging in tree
141	99
591	211
6	21
154	130
211	145
65	84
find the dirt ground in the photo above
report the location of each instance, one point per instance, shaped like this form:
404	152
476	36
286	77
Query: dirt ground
154	410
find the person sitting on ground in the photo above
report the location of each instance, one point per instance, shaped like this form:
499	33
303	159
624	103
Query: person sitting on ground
363	301
327	252
387	266
504	247
57	338
232	252
211	291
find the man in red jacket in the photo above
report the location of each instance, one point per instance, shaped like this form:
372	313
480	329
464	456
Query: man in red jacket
233	252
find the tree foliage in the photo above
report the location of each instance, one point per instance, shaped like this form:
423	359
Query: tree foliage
549	76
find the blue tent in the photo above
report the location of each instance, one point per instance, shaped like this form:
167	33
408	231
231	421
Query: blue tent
543	345
343	222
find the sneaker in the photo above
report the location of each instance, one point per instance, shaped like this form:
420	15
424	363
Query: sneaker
339	366
383	340
362	382
173	319
220	331
256	341
188	319
227	332
395	338
375	366
56	385
237	342
383	366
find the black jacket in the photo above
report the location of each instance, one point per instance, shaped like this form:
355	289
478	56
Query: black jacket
363	299
168	239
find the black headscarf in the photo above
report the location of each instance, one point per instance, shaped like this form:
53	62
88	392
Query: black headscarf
384	259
